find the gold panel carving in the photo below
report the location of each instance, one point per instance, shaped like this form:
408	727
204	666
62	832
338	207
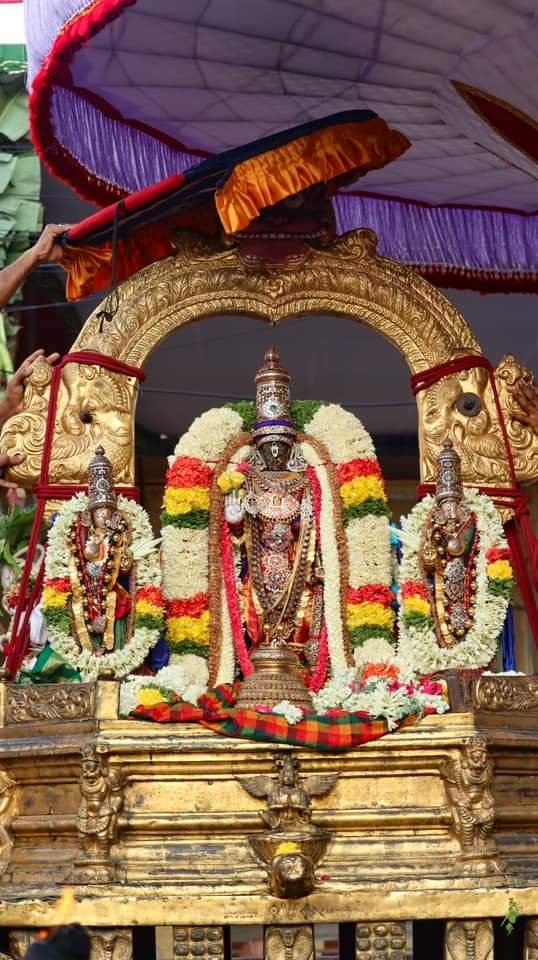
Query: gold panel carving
97	819
384	941
94	406
498	693
111	944
199	943
50	702
530	951
289	943
468	781
469	940
7	811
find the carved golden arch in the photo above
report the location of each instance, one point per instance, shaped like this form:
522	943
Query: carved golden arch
349	279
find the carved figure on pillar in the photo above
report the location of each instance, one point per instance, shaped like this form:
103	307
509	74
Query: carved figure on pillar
468	781
97	820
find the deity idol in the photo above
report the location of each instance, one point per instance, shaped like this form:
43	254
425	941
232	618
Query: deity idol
448	552
101	558
271	518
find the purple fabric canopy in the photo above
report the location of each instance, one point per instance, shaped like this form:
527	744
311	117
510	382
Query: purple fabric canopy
127	92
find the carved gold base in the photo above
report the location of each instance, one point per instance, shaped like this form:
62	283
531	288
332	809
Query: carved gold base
405	814
275	678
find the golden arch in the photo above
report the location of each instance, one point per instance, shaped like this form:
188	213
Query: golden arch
349	279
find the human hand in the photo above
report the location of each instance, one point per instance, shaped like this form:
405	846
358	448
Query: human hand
527	397
47	249
234	510
11	402
9	461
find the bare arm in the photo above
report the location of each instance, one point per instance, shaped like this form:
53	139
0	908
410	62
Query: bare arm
46	249
11	402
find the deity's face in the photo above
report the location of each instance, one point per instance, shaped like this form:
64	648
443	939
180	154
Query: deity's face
101	516
275	454
450	508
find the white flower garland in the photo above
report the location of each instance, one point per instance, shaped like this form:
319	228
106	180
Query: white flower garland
379	698
418	645
148	574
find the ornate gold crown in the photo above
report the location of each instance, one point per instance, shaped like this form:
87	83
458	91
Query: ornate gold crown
100	482
273	406
448	479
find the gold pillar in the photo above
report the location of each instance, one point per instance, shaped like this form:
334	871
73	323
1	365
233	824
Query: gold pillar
469	940
289	943
384	941
531	939
199	943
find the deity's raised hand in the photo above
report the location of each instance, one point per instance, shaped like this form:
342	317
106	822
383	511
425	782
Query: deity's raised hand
234	510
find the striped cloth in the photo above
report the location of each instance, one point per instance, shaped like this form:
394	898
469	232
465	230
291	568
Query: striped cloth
215	709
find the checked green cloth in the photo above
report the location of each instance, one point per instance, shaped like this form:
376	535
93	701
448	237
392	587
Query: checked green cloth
215	709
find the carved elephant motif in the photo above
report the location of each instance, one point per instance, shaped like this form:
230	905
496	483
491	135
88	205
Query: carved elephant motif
95	406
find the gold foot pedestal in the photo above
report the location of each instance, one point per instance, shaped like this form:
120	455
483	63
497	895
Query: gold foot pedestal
275	678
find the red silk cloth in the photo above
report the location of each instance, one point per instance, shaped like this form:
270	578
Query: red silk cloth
521	537
18	645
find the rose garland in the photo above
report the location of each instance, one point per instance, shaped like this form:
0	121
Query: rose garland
494	580
149	603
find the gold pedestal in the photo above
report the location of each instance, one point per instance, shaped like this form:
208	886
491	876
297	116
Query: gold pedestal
275	677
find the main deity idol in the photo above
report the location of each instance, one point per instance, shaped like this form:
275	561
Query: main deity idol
272	523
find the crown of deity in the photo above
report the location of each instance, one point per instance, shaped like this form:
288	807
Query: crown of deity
273	405
100	482
448	478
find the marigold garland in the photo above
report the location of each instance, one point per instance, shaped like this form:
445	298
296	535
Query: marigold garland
494	580
56	596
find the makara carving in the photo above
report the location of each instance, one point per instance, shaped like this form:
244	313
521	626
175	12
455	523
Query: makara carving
97	820
468	781
7	803
289	943
54	702
199	943
469	940
293	845
93	404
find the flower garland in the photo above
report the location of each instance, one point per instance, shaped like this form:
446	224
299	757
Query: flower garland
149	603
494	580
380	693
348	470
185	533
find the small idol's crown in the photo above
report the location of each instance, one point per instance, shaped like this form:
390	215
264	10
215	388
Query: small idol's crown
100	482
448	479
273	406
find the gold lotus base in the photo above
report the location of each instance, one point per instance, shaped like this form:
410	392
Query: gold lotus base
275	678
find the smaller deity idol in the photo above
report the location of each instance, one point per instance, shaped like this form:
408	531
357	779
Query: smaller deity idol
448	552
100	563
